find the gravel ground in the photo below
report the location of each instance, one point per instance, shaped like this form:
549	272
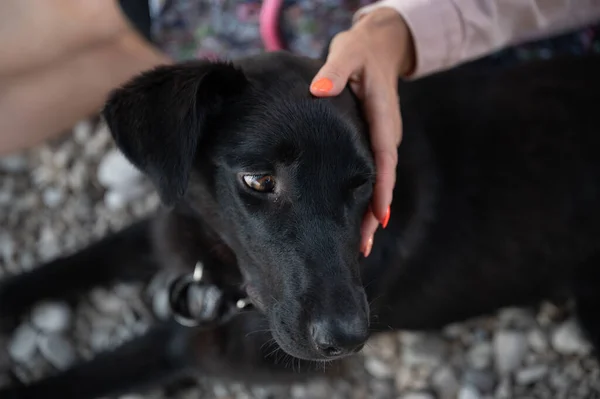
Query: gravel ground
58	197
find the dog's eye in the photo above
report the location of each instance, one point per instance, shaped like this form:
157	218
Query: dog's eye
260	183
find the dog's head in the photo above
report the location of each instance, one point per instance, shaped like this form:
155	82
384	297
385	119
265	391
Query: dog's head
282	177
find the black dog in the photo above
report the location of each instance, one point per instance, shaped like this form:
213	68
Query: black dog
496	204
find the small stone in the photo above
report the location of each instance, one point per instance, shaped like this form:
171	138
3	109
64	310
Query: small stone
468	392
318	389
484	381
7	247
411	378
422	349
100	340
26	261
510	349
21	346
115	171
123	334
126	291
383	346
417	395
13	163
105	302
516	318
567	339
51	317
531	374
537	341
297	391
118	199
378	369
48	247
504	390
78	175
480	355
445	383
57	350
454	331
5	197
559	380
52	197
82	131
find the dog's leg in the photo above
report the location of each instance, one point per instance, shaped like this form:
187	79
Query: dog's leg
242	350
144	362
126	255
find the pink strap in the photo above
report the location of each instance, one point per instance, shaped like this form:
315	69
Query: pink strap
270	13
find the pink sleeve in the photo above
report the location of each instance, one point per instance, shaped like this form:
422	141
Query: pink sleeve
449	32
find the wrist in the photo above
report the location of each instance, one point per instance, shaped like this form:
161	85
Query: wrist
391	34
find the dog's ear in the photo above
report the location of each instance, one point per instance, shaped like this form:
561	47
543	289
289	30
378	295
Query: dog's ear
157	119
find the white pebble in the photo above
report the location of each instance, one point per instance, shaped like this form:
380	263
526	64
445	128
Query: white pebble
416	395
504	389
377	368
423	349
445	383
537	340
115	171
483	380
516	318
105	302
567	339
57	350
51	317
531	374
116	199
13	163
480	355
510	349
82	131
21	346
468	392
52	197
100	340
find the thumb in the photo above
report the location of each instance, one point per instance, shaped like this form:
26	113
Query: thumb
341	63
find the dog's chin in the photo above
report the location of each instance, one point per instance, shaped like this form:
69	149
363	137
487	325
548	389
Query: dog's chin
291	348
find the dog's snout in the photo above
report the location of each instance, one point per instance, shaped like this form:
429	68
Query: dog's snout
334	337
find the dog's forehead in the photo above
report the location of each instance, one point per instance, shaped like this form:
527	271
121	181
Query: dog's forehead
292	128
278	120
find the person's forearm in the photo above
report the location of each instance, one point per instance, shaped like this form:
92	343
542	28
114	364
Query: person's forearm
38	32
449	32
45	102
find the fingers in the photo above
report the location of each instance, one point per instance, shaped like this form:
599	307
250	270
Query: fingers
339	66
369	226
383	112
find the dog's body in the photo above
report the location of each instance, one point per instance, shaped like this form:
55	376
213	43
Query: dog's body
496	204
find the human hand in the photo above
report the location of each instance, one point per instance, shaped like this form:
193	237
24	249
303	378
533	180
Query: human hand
371	56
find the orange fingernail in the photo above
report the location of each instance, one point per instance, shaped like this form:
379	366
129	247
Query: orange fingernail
368	247
323	85
386	219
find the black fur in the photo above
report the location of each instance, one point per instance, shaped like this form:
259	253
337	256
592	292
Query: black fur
496	204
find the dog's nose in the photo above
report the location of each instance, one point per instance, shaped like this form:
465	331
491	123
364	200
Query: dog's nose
338	337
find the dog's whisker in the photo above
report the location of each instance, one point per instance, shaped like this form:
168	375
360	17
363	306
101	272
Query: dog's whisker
258	331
